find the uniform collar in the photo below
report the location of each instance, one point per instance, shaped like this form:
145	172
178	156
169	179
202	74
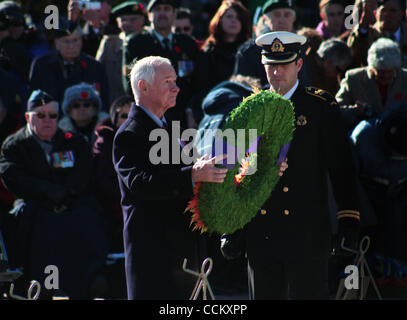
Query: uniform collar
290	93
160	122
161	38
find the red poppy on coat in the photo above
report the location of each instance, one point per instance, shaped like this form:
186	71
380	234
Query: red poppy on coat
84	64
398	96
141	7
84	95
68	135
177	49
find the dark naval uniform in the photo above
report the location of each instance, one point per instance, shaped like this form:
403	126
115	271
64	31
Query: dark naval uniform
182	54
288	242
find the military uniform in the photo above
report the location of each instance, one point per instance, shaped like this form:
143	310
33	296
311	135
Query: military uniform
288	242
182	54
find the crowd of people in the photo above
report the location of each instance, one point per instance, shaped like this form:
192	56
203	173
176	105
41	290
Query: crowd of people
68	185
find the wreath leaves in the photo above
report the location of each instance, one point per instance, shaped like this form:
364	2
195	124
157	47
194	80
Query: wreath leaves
225	207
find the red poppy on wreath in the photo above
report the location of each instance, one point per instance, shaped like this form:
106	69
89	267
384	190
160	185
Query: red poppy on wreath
398	96
177	49
84	95
68	135
84	64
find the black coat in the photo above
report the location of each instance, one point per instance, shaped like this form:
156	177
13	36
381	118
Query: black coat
157	234
184	48
295	224
72	239
48	73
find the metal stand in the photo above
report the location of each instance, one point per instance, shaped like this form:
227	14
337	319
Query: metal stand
361	264
202	282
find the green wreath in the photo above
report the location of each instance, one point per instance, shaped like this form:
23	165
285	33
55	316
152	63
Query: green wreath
229	206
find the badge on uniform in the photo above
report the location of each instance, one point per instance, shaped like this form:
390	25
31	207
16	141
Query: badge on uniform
63	159
301	120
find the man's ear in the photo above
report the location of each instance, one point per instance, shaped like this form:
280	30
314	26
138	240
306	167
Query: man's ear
142	85
299	64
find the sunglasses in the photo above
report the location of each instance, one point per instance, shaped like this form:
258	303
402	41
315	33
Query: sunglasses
81	104
185	29
124	116
42	115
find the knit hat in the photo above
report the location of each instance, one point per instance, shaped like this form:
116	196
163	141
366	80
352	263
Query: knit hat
384	53
82	91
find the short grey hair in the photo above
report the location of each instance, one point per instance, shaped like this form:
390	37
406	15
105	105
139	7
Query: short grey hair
384	53
337	51
144	69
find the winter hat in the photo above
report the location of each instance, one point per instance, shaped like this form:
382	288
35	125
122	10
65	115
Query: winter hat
39	98
82	91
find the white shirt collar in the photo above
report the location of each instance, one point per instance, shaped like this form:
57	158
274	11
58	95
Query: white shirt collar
290	93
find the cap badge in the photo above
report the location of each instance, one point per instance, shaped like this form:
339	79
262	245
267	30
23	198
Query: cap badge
301	121
277	46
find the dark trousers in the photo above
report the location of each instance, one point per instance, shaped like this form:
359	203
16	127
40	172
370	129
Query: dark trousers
295	280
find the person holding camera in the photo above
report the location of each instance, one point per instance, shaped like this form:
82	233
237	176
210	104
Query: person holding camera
366	92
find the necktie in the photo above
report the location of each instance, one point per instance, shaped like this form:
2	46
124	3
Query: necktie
166	43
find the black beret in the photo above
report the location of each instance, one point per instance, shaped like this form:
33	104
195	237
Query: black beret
65	28
128	8
174	3
277	4
38	98
11	10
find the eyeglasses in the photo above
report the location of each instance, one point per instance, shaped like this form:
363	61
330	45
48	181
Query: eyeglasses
124	116
42	115
81	104
185	29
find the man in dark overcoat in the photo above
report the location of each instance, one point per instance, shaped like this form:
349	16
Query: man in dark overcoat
155	188
288	242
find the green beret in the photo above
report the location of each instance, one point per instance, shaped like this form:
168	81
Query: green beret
277	4
128	8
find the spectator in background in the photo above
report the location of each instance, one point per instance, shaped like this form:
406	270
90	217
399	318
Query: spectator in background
159	40
183	24
332	59
106	184
381	149
389	17
50	171
366	92
68	66
228	29
96	25
279	15
82	109
131	18
332	13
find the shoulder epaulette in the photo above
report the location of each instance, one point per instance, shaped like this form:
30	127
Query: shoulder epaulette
322	94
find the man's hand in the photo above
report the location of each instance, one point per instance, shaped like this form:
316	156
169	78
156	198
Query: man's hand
204	170
283	167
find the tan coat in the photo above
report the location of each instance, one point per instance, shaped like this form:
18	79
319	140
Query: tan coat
359	85
359	44
110	54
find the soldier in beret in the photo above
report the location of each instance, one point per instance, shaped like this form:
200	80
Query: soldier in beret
131	18
159	40
68	65
279	15
50	171
288	242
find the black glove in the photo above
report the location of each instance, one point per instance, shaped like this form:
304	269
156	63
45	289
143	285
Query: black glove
232	245
348	234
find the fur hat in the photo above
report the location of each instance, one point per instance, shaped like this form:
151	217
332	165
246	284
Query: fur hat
82	91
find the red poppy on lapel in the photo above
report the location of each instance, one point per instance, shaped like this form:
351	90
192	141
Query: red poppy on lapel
68	135
141	7
84	64
398	96
177	49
